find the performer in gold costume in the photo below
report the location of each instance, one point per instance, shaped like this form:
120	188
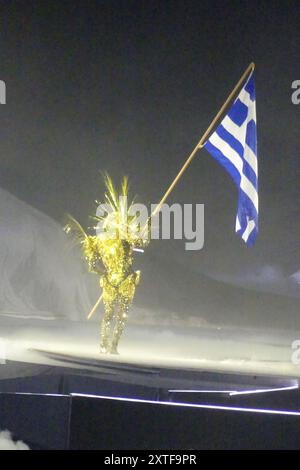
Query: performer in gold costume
109	254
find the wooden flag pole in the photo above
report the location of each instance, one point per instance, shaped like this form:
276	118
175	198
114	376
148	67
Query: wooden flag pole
201	142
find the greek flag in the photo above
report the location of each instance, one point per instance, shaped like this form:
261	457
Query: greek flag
233	145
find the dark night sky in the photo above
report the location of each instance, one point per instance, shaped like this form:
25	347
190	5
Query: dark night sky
128	87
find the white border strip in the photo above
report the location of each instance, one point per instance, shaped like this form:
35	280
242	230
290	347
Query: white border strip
193	405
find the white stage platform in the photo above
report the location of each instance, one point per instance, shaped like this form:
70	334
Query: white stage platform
147	353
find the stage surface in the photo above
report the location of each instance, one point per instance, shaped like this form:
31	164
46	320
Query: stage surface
229	382
171	357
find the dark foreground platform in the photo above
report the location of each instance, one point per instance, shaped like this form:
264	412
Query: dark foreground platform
81	422
61	410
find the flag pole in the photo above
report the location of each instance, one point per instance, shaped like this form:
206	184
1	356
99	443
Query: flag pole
204	137
95	307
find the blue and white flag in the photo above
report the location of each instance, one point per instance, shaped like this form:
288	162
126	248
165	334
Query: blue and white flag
233	145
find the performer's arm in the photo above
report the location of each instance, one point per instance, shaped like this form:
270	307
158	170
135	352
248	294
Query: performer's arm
92	254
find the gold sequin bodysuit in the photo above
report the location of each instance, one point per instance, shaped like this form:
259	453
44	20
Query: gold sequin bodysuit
118	284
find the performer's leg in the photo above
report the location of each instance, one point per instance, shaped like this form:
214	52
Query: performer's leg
106	327
109	300
125	297
121	320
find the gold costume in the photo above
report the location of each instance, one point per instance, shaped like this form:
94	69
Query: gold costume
110	255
